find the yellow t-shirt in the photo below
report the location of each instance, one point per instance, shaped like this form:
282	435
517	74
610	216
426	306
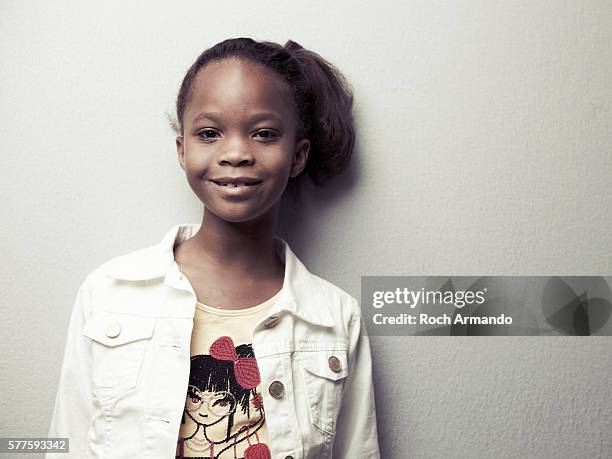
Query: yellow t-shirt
224	415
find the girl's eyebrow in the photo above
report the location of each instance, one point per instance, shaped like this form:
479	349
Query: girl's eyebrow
217	117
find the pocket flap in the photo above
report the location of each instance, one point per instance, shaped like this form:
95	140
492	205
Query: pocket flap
331	365
112	329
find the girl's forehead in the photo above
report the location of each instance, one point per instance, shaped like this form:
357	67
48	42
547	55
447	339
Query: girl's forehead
240	70
233	84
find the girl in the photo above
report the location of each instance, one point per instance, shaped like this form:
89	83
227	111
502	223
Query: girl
217	342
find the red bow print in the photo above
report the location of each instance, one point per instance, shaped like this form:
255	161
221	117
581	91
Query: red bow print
245	368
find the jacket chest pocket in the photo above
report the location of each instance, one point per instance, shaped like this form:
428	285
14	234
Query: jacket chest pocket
119	343
324	373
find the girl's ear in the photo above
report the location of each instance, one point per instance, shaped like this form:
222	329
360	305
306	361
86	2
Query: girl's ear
302	148
180	150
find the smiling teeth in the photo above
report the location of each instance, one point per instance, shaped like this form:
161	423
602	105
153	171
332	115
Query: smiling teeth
235	185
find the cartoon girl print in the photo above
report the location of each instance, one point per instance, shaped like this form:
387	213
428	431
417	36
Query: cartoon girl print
222	388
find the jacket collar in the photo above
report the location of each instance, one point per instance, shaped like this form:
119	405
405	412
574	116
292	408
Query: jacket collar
301	294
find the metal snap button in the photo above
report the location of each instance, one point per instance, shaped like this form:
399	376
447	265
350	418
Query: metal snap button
335	364
271	321
113	329
277	389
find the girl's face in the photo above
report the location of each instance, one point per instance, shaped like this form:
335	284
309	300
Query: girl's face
240	124
207	407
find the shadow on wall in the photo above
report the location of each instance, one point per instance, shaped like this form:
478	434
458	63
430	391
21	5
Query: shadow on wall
299	220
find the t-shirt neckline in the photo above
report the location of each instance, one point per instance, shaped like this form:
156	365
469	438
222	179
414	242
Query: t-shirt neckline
239	312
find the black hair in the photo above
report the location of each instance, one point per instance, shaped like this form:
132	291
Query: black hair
322	95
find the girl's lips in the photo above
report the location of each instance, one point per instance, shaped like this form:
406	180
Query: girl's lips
240	191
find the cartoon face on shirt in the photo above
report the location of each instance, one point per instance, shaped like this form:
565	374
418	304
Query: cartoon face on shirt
209	407
223	409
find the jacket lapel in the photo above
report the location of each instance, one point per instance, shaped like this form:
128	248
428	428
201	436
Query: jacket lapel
302	294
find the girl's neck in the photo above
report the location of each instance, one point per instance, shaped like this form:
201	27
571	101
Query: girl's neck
245	245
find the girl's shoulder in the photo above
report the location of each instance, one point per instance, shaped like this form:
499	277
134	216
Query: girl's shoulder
149	262
340	302
142	264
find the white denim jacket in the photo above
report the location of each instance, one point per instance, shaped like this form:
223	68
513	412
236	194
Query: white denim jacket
126	364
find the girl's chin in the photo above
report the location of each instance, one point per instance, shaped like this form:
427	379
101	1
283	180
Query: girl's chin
235	214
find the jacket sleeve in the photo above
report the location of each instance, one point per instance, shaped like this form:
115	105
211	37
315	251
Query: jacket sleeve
356	431
73	403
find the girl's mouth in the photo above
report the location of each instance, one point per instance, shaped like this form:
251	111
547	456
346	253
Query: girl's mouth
236	189
236	185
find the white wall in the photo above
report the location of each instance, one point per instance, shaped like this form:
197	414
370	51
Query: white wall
484	147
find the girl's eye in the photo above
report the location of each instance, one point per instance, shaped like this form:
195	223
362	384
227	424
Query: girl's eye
222	402
207	134
267	134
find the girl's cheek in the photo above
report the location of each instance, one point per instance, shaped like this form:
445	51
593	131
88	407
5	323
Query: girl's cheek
197	164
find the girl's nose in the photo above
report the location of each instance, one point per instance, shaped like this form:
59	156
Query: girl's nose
236	152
